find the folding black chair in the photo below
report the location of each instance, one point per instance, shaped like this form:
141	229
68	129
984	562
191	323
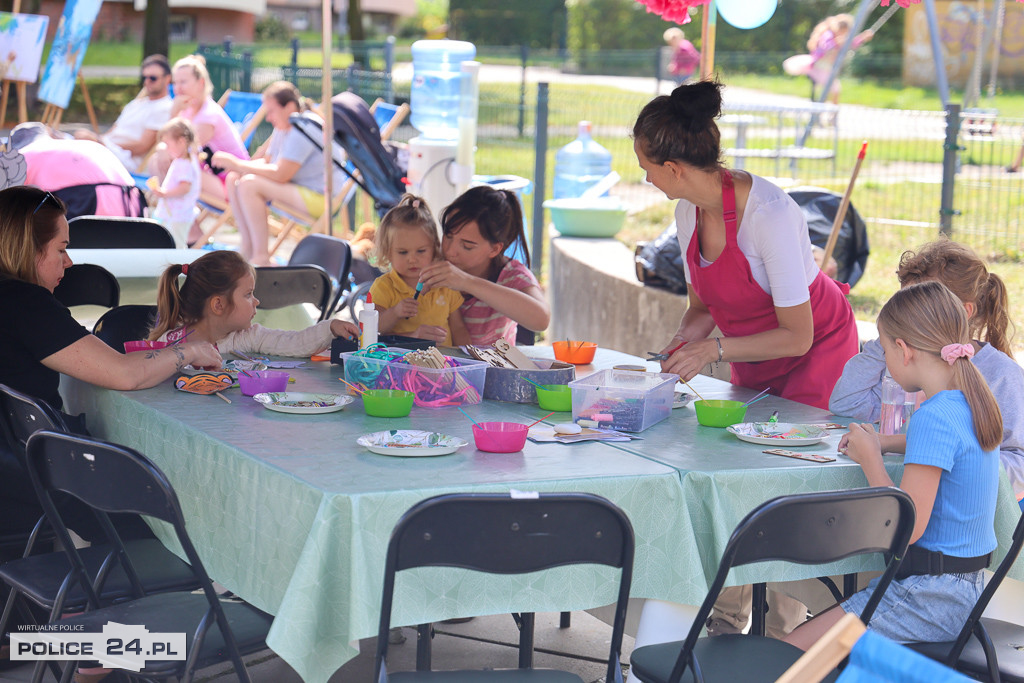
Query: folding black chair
360	280
289	285
333	254
130	322
106	232
499	534
988	649
88	284
111	479
812	528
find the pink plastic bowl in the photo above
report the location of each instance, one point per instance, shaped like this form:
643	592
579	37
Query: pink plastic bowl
143	345
500	437
262	381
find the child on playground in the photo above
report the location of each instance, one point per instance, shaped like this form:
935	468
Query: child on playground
211	299
500	292
951	471
407	240
824	45
983	294
177	195
685	57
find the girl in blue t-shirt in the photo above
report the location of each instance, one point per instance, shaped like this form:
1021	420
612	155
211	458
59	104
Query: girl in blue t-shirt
951	471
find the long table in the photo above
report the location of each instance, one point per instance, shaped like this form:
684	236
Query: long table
290	514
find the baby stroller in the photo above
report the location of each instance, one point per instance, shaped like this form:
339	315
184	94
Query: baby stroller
356	131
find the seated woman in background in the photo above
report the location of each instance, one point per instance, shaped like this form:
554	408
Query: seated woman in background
287	169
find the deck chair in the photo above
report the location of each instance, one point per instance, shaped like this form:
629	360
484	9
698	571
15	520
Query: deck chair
988	649
387	118
812	528
502	534
334	255
106	232
873	659
86	284
289	285
114	479
129	322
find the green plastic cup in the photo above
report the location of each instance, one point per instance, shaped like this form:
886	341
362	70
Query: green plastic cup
556	397
387	402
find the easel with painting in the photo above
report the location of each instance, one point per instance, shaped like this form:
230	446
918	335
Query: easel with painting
64	64
21	48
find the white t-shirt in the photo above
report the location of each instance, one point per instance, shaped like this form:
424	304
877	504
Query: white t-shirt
138	116
180	209
773	236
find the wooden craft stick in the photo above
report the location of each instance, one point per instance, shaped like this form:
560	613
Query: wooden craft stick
222	397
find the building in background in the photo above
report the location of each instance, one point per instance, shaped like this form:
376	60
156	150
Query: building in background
304	15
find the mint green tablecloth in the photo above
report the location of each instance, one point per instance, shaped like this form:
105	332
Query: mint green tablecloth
289	513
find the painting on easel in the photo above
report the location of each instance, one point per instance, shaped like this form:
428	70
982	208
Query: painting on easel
21	46
69	46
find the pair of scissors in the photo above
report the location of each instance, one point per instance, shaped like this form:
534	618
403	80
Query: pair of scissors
664	356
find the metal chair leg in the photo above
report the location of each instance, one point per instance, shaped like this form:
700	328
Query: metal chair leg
758	609
424	633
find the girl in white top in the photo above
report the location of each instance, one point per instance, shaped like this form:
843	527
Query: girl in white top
215	303
179	192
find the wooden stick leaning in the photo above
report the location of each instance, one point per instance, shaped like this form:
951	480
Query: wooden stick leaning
833	237
432	358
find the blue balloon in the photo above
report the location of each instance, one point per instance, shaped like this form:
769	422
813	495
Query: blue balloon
746	13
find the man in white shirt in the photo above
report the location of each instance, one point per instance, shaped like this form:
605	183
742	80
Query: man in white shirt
134	132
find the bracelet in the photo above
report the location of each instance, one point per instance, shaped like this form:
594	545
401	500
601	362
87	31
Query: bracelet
719	342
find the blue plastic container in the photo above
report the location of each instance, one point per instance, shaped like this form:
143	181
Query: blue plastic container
436	86
580	164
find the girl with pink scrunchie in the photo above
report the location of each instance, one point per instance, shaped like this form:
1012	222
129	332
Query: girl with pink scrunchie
951	471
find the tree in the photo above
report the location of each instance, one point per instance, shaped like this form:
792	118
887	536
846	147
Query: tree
155	40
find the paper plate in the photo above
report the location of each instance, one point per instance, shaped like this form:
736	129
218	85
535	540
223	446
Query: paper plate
779	433
298	402
410	443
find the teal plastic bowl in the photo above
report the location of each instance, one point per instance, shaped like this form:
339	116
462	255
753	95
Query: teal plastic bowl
597	217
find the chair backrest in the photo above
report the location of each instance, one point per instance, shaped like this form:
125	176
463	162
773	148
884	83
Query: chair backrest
502	534
106	232
288	285
245	109
88	284
814	528
22	415
109	479
333	254
130	322
974	619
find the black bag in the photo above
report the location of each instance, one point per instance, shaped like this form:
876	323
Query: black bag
660	263
851	251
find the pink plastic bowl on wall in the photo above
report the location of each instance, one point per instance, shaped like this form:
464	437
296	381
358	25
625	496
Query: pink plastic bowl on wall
262	381
500	437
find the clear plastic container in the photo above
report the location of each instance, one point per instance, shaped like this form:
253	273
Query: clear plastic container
434	388
437	85
897	407
580	164
622	399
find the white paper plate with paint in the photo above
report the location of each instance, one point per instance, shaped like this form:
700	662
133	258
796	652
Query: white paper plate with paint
302	403
410	443
772	433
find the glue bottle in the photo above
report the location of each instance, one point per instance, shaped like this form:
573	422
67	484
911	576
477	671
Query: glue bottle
368	324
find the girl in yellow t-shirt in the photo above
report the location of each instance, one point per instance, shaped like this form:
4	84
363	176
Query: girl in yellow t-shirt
407	240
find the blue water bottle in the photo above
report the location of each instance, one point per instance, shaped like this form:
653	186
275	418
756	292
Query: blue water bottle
436	85
580	164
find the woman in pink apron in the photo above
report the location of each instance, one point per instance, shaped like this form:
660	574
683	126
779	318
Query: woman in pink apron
749	266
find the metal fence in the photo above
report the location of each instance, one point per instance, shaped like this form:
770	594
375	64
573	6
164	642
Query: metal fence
912	184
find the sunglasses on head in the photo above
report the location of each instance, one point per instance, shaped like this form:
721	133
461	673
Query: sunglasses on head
47	196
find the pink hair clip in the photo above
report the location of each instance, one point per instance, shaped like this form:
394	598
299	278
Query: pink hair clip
184	269
950	352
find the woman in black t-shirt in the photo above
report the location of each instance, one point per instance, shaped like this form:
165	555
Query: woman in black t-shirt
38	337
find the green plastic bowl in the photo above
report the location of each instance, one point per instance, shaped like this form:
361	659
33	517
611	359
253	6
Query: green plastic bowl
556	397
387	402
596	217
719	413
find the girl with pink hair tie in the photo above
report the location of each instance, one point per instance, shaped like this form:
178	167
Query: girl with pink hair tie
951	471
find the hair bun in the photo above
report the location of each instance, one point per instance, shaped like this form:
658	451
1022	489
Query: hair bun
700	102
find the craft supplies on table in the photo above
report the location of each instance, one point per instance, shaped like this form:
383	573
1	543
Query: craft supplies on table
622	400
436	380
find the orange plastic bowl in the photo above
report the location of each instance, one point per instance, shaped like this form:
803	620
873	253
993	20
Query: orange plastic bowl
500	437
575	352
